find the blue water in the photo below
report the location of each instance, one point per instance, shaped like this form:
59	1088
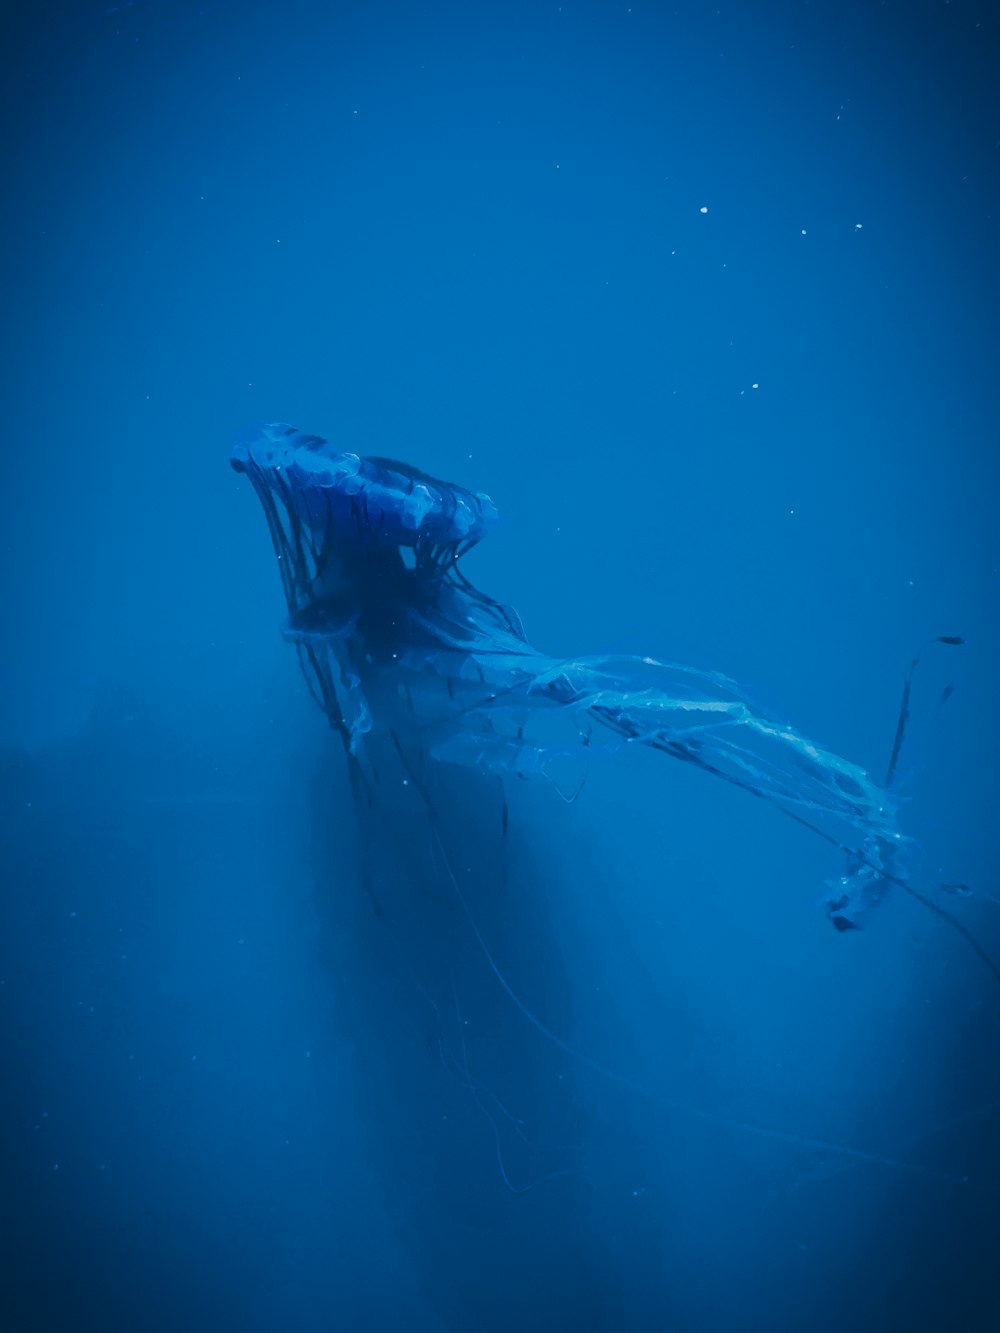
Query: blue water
705	297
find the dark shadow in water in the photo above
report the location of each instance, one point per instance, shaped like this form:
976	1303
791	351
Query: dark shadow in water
475	1120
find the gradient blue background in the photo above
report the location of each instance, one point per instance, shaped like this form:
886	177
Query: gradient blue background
760	438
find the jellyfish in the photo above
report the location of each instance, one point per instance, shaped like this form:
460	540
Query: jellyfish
404	654
392	635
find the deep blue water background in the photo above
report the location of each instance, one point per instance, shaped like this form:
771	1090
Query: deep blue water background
705	296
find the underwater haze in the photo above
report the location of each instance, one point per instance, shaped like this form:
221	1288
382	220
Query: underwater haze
322	1022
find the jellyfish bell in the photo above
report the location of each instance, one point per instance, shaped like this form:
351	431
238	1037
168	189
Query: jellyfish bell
364	544
369	500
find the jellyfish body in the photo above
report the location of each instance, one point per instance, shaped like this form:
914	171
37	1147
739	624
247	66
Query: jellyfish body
392	636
